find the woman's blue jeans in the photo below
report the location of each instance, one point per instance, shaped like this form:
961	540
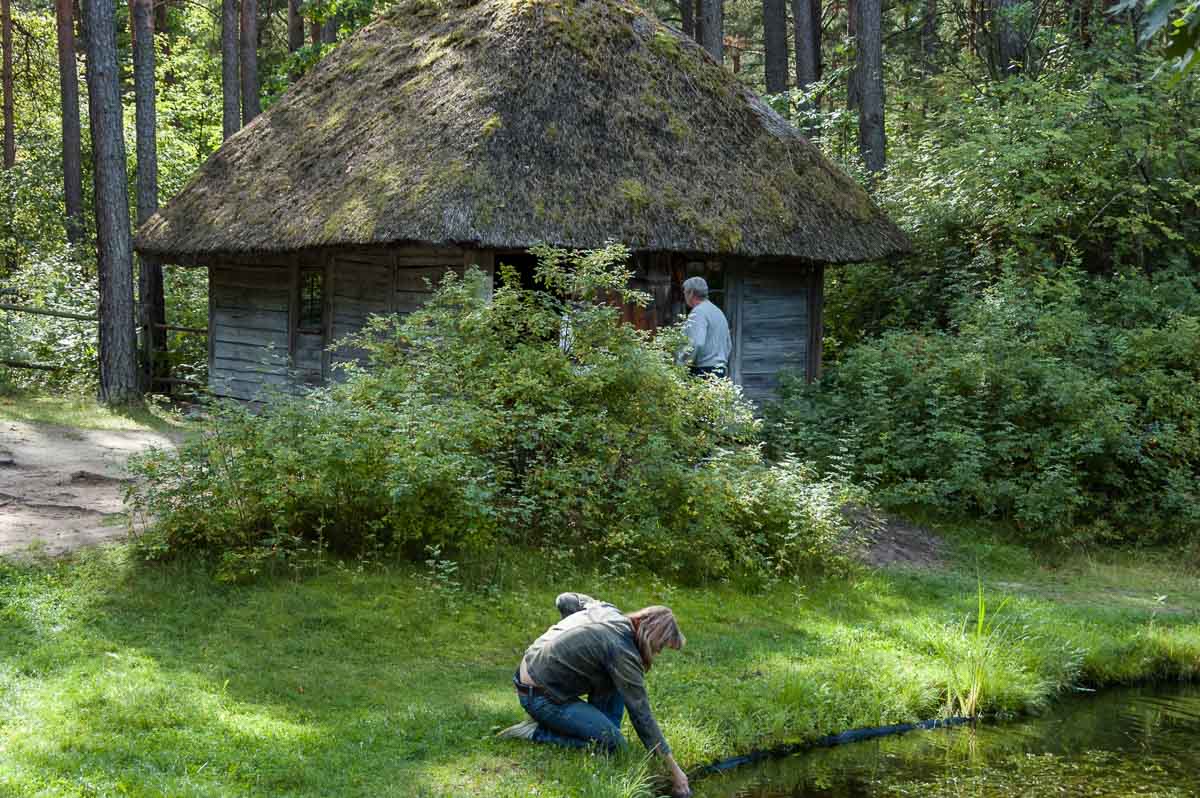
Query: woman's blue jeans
577	724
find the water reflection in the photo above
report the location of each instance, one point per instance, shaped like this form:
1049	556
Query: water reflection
1135	741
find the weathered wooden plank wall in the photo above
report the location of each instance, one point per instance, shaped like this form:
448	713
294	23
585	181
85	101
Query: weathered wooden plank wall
773	329
248	328
773	310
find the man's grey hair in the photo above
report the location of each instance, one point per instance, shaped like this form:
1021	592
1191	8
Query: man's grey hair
695	286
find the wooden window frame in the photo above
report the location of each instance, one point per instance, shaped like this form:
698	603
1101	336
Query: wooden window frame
317	328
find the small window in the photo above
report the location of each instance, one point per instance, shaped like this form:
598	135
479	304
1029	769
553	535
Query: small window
312	300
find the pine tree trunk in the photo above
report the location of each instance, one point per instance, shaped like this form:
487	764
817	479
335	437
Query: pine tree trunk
775	43
852	88
1083	22
152	304
295	26
10	137
806	18
687	17
869	68
929	39
1006	46
231	106
712	28
251	105
118	356
72	156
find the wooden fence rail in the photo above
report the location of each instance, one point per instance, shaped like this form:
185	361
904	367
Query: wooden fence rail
63	314
47	312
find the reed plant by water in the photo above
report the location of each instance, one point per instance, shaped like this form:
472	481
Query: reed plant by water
973	658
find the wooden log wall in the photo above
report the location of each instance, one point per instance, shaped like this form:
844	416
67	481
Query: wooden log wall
254	306
772	325
248	326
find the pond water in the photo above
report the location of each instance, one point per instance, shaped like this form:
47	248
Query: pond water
1130	742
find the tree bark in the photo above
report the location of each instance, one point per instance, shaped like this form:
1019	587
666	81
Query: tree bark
6	77
295	26
329	30
806	16
72	152
1083	23
852	88
151	302
930	44
687	17
251	105
869	68
712	28
1006	40
231	106
118	357
775	63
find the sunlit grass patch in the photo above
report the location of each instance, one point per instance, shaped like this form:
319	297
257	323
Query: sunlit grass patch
88	414
158	680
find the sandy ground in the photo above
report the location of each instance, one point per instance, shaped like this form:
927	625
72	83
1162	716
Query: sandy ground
61	488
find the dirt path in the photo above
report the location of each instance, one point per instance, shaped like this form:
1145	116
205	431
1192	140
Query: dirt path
61	488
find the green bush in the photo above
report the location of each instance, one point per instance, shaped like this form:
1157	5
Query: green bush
1061	404
533	418
1093	164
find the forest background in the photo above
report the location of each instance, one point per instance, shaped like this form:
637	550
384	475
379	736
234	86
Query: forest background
1035	358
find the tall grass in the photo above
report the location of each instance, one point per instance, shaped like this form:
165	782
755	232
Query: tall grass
973	665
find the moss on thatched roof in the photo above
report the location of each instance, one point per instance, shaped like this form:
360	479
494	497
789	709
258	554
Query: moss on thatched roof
504	123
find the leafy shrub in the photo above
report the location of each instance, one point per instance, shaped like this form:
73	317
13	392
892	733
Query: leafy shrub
1058	404
1091	165
60	282
533	418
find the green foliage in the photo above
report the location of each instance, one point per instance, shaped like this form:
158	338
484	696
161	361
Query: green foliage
1058	403
1092	164
533	417
62	283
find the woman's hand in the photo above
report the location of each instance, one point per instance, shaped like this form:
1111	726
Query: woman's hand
679	779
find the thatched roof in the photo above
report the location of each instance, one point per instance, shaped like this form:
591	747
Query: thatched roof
504	123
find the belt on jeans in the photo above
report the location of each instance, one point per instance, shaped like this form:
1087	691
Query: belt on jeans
530	690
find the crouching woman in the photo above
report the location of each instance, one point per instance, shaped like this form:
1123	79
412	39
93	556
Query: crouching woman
597	650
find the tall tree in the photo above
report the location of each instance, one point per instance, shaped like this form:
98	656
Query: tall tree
1006	38
852	89
329	30
712	28
152	305
295	26
806	20
776	46
687	17
118	356
6	77
869	69
251	105
231	105
930	44
72	158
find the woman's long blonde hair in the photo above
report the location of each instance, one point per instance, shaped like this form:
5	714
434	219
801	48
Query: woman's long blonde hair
655	628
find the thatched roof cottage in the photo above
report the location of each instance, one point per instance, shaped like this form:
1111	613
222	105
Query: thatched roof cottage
456	132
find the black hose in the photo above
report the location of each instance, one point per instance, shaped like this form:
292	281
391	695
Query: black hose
829	741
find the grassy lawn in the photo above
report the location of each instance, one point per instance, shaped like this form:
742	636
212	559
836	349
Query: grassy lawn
87	414
120	678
